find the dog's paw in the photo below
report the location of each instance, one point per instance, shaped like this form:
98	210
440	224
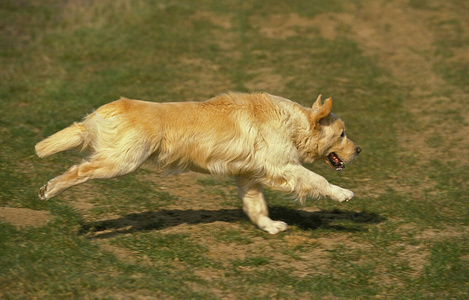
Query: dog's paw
340	194
272	227
42	192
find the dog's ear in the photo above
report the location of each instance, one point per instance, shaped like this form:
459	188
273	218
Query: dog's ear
317	104
320	111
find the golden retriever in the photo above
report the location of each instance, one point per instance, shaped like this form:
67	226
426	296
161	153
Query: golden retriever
259	138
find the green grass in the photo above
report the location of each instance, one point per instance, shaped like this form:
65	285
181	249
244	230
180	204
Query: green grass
404	236
175	247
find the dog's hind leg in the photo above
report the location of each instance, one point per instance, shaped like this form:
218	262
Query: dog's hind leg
255	207
77	174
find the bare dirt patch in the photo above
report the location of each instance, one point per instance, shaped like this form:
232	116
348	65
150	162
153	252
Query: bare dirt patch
266	80
441	235
24	217
182	185
282	26
222	22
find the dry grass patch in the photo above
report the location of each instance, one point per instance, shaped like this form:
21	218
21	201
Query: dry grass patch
24	217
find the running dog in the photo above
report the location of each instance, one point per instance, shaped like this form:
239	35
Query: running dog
260	139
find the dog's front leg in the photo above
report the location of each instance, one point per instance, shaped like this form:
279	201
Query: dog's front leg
305	183
340	194
255	207
318	185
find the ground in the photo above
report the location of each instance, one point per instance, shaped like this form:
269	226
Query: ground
397	71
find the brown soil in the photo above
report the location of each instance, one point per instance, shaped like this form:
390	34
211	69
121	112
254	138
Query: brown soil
24	217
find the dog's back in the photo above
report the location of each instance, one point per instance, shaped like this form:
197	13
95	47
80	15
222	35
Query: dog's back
224	135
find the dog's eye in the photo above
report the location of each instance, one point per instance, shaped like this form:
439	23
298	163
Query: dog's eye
342	134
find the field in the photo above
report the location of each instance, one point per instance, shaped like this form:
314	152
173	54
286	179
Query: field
398	72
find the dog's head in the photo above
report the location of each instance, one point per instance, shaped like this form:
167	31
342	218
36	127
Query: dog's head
333	146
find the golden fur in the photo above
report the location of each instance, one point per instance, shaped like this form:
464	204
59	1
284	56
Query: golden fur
259	138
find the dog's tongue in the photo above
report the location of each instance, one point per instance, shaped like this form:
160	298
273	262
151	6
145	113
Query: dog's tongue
336	161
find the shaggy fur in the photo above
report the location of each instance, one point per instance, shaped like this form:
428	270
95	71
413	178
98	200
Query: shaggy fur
260	139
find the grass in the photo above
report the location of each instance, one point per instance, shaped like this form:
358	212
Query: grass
405	234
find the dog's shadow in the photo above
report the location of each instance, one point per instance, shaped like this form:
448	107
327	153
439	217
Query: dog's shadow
157	220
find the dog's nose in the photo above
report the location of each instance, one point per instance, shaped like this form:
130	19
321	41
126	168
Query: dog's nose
359	150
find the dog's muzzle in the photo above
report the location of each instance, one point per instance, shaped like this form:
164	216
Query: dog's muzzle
336	162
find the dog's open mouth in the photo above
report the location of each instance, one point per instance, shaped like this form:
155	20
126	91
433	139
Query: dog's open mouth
336	162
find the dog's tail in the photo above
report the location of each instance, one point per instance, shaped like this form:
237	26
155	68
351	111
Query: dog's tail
69	138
